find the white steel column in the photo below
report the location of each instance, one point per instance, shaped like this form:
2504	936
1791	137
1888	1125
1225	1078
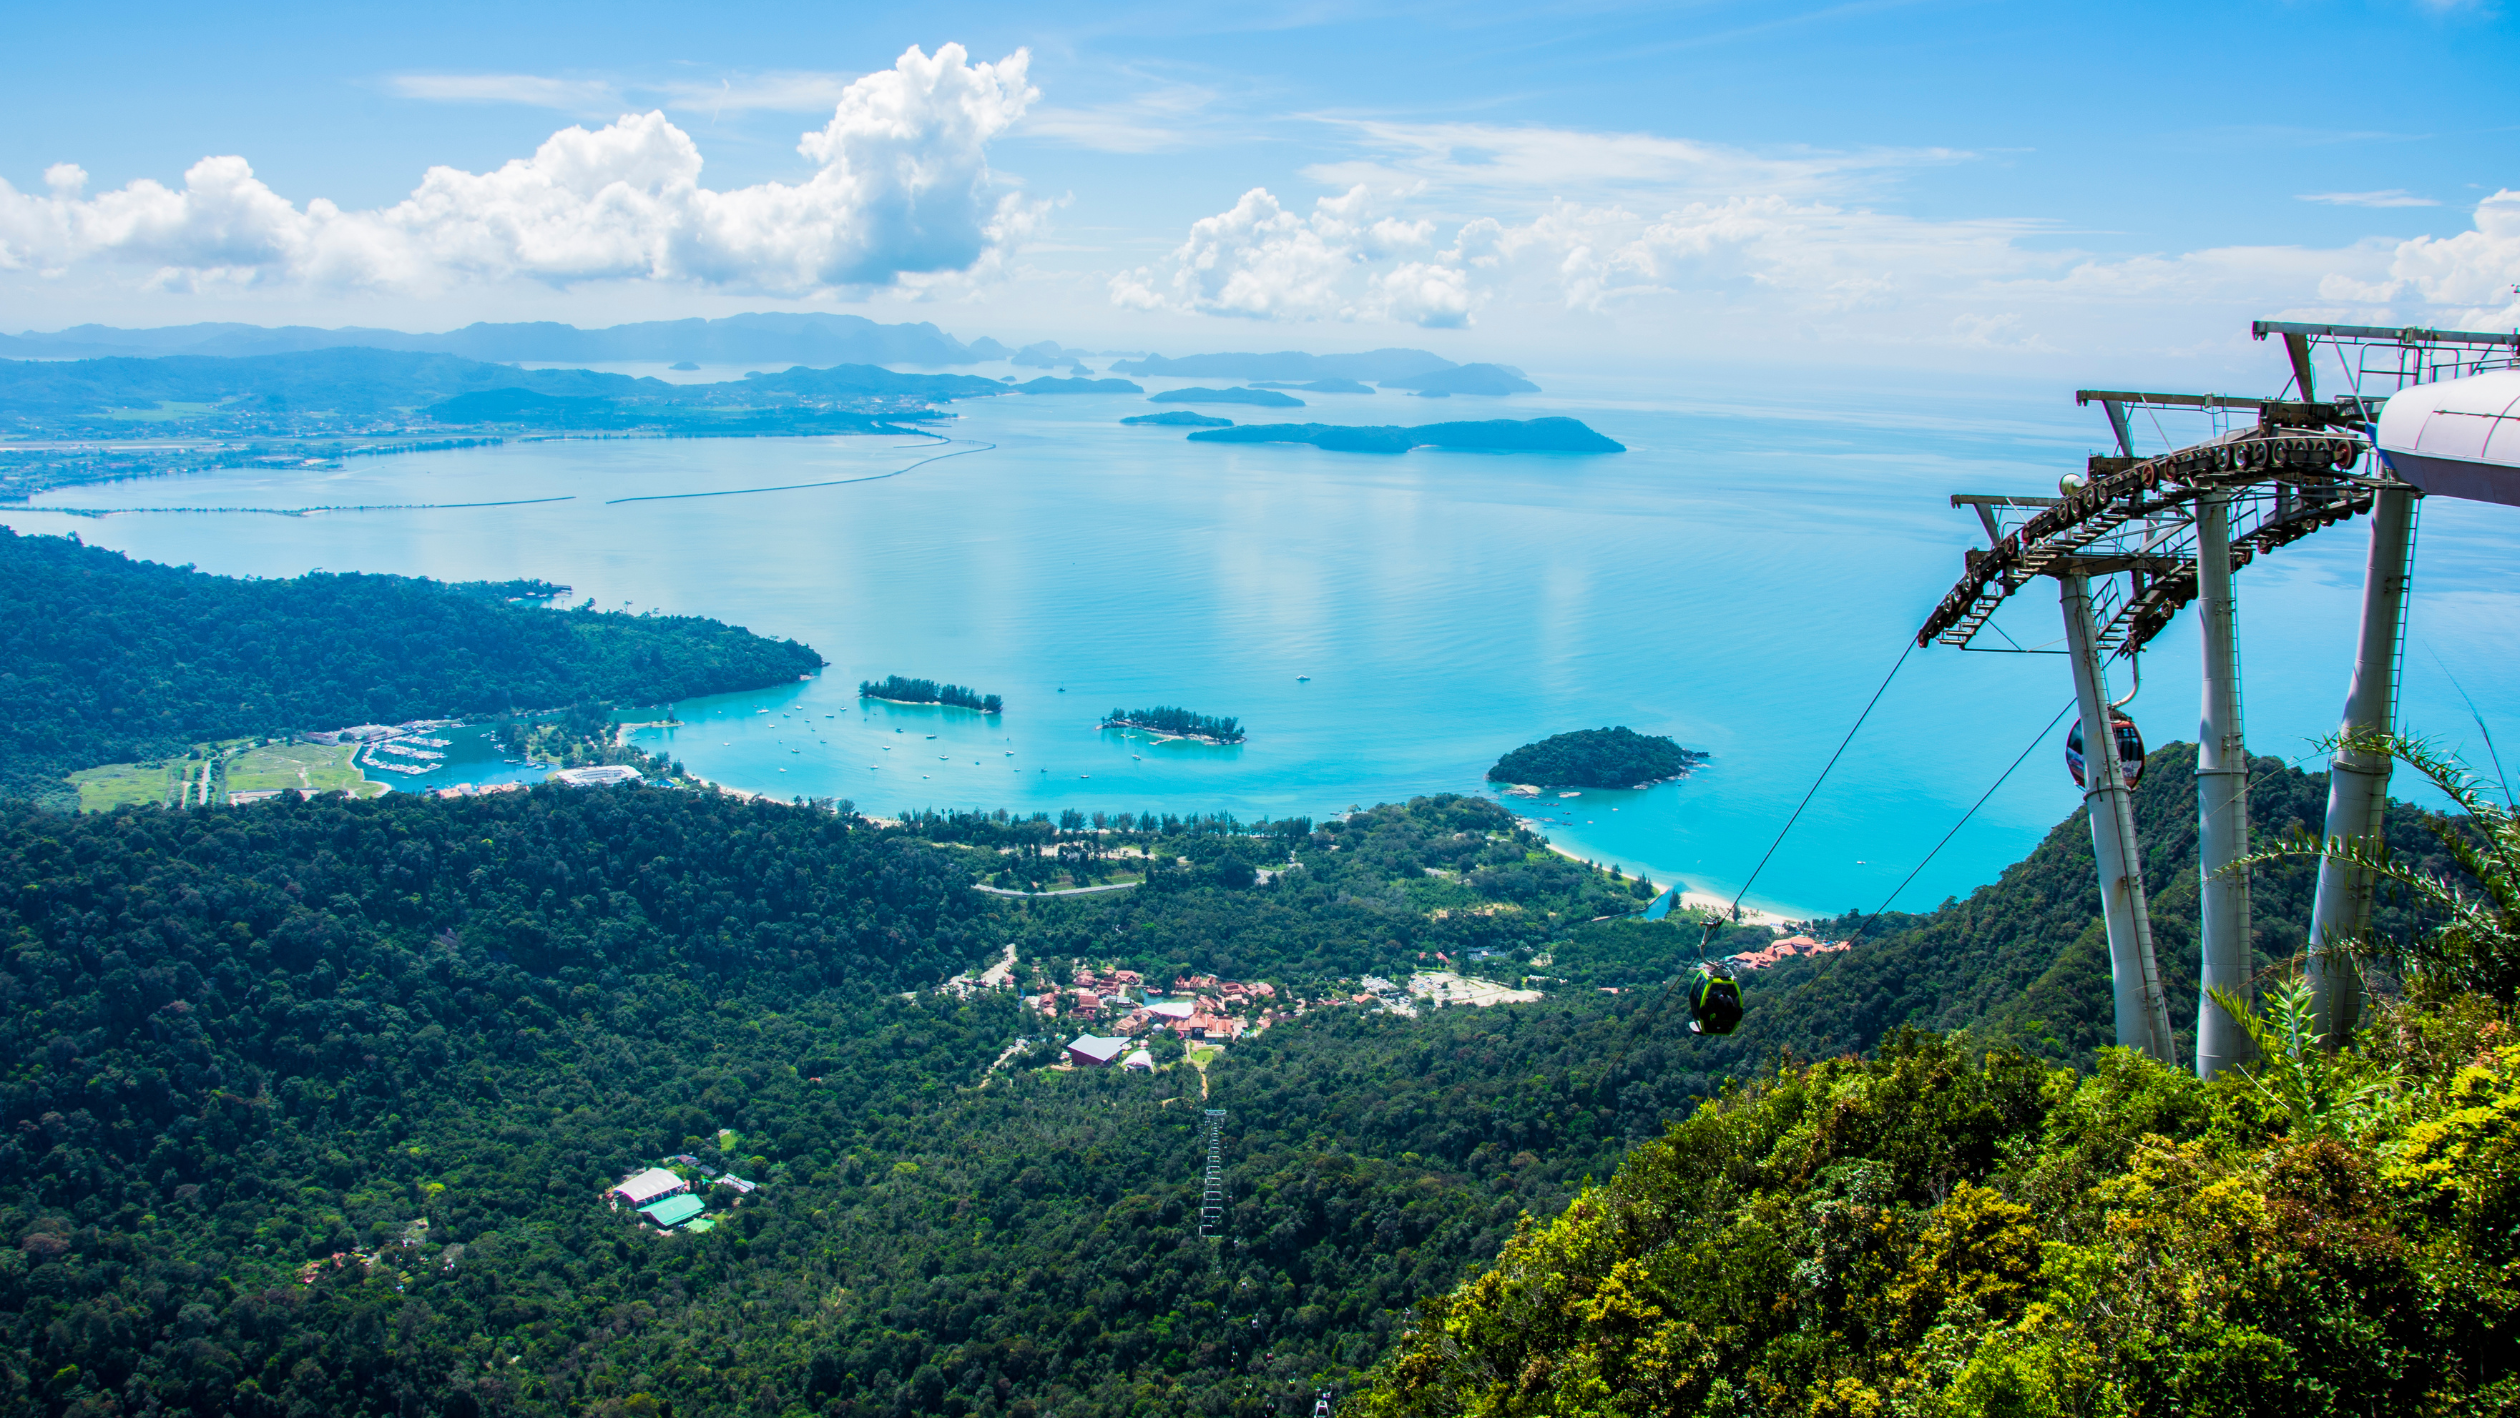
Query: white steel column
2222	801
2143	1018
2358	783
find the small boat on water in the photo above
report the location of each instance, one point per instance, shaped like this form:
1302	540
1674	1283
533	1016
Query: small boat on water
1303	679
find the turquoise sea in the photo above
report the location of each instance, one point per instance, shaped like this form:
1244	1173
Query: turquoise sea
1741	579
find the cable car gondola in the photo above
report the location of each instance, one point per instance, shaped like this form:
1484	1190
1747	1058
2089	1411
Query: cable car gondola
1714	1001
2130	749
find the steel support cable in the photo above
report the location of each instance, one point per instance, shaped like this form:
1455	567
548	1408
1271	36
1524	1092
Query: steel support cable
1649	1016
1735	909
1713	923
1884	907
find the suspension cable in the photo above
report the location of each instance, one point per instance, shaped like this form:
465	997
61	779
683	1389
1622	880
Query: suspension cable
1714	922
1735	909
1645	1021
1882	909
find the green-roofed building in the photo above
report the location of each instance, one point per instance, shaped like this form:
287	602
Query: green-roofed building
673	1211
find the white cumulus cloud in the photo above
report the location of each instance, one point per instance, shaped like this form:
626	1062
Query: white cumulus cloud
1341	262
1793	258
901	188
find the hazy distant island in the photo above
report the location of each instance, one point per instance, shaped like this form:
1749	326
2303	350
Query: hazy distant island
1178	418
899	690
1176	724
1317	386
1381	366
1546	435
1341	374
1048	385
1467	379
1265	398
683	367
1596	758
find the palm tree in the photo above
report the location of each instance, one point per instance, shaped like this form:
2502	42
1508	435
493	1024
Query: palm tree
2477	945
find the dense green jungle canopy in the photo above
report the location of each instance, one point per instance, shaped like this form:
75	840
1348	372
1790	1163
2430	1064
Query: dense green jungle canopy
250	1038
104	659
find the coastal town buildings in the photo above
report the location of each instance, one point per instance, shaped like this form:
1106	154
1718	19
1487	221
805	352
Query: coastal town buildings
1782	951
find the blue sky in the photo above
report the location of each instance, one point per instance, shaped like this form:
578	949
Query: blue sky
1908	185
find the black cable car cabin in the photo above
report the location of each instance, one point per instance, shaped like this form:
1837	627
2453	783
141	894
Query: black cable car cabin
1714	1001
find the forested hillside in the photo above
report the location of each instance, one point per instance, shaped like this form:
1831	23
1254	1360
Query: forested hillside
105	659
253	1038
2025	960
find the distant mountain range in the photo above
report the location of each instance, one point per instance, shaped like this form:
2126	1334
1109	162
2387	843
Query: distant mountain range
772	341
768	339
333	391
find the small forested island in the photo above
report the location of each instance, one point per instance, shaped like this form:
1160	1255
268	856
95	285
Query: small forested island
899	690
1177	418
1177	723
1597	758
1547	435
1265	398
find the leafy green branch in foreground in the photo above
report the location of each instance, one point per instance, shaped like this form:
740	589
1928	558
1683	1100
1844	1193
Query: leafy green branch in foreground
2476	944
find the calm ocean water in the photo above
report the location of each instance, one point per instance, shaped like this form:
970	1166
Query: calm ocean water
1741	579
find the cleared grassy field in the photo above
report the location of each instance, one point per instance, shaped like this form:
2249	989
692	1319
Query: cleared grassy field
112	785
307	767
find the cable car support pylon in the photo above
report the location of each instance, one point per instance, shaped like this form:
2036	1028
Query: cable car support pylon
2130	541
1212	1197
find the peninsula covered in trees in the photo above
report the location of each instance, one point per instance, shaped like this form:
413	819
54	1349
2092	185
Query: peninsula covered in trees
113	660
1178	418
1177	723
1596	758
900	690
1543	435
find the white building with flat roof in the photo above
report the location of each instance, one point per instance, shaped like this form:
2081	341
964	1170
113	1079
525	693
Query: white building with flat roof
641	1188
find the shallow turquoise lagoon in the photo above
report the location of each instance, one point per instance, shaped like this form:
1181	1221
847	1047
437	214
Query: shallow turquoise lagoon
1741	579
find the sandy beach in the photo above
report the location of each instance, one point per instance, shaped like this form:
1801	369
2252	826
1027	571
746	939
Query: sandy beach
1695	900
